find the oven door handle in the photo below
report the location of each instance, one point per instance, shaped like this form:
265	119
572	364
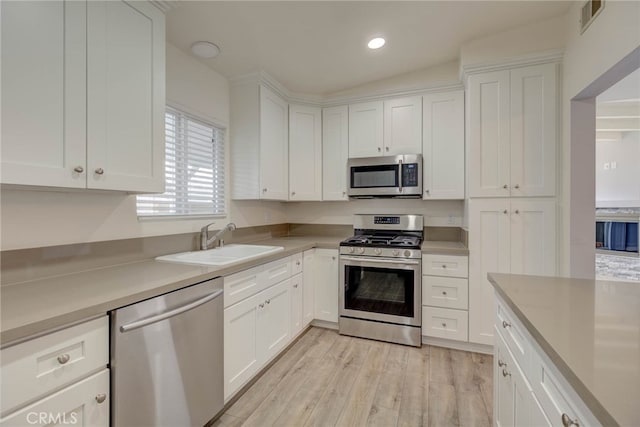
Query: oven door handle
381	261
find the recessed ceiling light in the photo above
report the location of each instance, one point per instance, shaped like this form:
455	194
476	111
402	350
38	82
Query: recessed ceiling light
205	49
376	43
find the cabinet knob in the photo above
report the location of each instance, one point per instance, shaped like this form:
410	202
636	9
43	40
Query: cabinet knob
295	286
505	373
517	211
101	398
379	149
387	148
517	186
505	211
297	262
501	363
444	325
293	193
506	324
444	292
261	305
264	190
63	358
505	186
268	301
99	171
444	266
78	169
568	422
426	191
344	193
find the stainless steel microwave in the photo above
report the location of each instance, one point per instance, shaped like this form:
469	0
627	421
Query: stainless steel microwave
388	176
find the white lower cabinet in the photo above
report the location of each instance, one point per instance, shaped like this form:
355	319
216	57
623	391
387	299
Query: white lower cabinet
85	403
308	287
297	304
325	273
528	390
59	378
274	320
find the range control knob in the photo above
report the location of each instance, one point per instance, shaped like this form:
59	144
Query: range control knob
377	251
395	252
407	253
361	250
352	250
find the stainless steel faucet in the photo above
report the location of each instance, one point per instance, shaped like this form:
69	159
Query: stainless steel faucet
205	241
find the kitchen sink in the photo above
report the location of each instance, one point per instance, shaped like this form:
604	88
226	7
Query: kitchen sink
221	256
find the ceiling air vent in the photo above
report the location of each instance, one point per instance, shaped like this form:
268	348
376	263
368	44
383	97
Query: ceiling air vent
589	12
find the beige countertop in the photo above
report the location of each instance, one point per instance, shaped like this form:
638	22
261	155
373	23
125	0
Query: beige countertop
30	308
590	329
445	248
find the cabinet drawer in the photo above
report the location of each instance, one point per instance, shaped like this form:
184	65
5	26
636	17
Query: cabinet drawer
276	271
296	263
34	368
514	336
242	285
445	265
445	292
445	323
556	397
75	405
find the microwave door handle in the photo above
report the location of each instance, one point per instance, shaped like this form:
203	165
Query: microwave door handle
400	175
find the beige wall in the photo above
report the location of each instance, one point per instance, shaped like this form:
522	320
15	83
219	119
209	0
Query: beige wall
45	218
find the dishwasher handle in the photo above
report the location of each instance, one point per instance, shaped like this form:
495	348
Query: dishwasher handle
157	318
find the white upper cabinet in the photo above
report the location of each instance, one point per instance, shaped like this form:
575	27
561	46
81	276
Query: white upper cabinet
83	95
533	131
274	147
385	128
335	152
365	129
512	132
403	126
443	145
305	153
44	93
126	102
259	143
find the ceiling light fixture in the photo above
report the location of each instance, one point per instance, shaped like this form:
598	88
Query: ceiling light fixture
205	49
376	43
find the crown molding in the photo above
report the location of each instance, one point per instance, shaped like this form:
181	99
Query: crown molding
165	5
549	56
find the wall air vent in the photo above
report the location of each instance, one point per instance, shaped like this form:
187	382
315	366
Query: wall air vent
589	12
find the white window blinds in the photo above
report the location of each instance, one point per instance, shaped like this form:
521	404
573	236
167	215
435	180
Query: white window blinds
194	170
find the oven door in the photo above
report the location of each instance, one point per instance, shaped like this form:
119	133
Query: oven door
381	289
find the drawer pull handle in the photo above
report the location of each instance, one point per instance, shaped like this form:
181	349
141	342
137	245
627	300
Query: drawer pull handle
505	373
101	398
501	363
506	324
78	169
63	358
567	422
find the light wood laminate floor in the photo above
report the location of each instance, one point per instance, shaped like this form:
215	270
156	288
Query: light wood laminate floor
326	379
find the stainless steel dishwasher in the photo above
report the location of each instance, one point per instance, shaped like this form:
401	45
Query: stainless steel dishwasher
167	358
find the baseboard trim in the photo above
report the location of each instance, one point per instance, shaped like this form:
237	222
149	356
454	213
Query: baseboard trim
458	345
325	324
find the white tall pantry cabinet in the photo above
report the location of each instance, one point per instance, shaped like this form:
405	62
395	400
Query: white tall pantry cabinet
83	95
511	162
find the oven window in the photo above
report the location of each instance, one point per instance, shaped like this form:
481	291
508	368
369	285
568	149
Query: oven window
379	290
374	176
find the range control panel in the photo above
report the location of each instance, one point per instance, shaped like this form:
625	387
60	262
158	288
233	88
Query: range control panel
386	220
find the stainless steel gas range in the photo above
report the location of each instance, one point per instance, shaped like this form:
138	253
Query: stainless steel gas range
380	279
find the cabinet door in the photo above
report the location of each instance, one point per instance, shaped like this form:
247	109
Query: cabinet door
503	406
489	234
513	396
297	302
274	320
43	93
443	145
403	126
488	134
335	152
85	403
326	285
305	153
533	130
241	354
308	287
366	129
533	237
125	96
274	146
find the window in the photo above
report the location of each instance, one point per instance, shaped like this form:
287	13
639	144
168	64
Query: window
194	170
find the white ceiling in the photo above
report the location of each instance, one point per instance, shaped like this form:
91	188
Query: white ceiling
320	47
618	109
